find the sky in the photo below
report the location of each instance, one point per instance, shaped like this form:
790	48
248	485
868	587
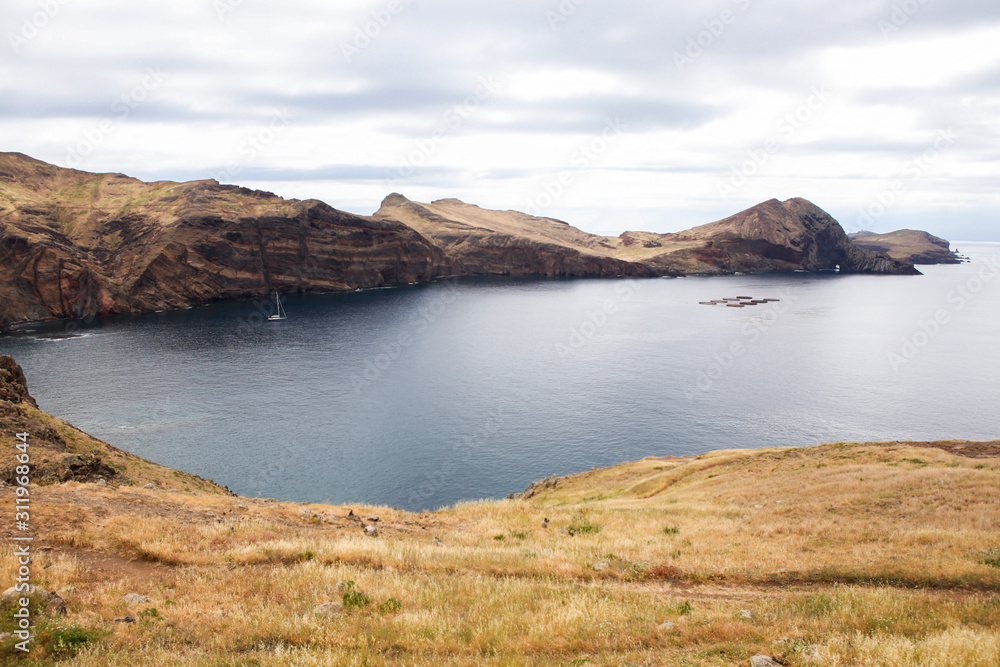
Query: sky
612	116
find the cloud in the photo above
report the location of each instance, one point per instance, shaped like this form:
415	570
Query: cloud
378	87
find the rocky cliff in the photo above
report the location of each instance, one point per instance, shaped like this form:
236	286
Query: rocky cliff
908	245
75	244
794	235
78	245
480	241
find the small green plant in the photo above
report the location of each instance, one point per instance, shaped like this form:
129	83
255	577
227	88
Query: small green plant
353	598
992	558
306	555
671	530
980	467
685	608
519	534
498	538
390	606
68	640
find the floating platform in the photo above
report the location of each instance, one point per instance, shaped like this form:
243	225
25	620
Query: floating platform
737	302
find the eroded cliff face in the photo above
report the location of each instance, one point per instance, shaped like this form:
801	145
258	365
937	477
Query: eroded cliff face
909	245
478	241
78	245
794	235
74	244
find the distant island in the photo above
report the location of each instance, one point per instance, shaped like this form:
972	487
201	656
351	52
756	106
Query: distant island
908	245
75	244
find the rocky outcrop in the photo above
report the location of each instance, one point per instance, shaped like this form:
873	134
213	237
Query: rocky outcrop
908	245
79	245
13	384
794	235
478	241
535	488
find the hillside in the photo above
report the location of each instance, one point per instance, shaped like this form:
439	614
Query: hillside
844	554
794	235
908	245
80	245
75	244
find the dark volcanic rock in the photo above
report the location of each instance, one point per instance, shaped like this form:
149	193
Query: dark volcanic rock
13	384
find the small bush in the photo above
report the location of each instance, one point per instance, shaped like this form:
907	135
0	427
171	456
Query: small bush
685	608
66	641
149	612
992	558
671	530
390	606
354	599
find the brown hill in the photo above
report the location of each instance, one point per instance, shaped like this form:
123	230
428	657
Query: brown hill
77	244
908	245
772	236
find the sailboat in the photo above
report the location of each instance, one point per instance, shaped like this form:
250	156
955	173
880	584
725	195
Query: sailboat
280	315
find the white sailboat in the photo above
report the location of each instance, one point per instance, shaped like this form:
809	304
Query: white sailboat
280	315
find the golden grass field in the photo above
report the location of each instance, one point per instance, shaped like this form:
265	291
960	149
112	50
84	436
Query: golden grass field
844	554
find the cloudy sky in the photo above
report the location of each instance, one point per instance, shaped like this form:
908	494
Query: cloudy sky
609	115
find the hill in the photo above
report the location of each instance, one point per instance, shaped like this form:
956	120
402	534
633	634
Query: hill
908	245
863	553
80	245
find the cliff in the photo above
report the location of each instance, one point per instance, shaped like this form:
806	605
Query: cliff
772	236
79	245
480	241
75	244
908	245
794	235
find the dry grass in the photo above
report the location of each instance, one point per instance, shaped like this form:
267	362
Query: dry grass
858	554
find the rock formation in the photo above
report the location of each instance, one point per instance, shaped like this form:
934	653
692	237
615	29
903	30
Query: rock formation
908	245
79	245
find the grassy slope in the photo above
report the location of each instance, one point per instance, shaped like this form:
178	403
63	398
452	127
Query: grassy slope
844	554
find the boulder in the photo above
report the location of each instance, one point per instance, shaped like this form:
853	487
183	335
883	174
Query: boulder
135	598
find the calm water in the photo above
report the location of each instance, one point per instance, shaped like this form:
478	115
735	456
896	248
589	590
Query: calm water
425	395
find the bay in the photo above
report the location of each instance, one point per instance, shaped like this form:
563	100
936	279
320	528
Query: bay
425	395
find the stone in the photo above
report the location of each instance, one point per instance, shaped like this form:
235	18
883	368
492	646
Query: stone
437	541
745	614
125	619
762	661
371	531
54	604
600	565
536	487
150	486
101	482
545	522
335	608
666	626
373	519
135	598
